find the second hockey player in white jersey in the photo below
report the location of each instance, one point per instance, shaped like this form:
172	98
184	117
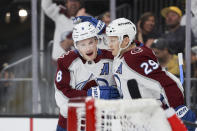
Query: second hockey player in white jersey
138	73
138	67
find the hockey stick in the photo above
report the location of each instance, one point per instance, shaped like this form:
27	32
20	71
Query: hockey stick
180	58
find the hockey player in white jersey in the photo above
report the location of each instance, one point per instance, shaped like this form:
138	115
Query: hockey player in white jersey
138	73
81	69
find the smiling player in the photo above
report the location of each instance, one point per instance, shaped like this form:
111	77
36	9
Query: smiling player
81	69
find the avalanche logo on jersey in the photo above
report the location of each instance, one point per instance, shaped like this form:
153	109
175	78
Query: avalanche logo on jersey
81	85
136	50
105	69
119	70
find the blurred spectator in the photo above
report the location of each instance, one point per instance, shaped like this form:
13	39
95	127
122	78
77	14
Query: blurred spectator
147	31
193	19
105	17
62	16
175	34
4	85
6	75
194	61
166	58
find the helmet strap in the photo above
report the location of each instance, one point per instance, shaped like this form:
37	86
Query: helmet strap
121	49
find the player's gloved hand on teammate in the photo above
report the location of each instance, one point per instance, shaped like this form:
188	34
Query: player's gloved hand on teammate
89	84
100	25
104	92
186	114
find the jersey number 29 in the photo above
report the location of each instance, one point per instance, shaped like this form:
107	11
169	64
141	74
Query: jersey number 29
149	66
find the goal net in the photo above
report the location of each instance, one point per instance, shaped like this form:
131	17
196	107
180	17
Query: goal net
88	114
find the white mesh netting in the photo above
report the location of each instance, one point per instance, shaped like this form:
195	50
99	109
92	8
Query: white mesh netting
130	115
118	115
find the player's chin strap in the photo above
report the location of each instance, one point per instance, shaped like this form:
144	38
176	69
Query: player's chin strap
120	49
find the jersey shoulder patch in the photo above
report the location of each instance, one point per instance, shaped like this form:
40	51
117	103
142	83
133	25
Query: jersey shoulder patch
141	53
134	53
136	50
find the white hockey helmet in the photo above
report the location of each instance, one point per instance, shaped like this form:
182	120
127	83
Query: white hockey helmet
121	27
82	31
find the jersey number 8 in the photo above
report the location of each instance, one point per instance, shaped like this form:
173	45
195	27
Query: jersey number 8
59	76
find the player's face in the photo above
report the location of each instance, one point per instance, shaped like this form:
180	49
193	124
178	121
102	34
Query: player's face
113	43
88	48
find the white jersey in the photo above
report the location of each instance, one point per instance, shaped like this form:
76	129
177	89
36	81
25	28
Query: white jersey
75	76
137	72
63	25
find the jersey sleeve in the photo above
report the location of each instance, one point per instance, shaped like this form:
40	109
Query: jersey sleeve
143	61
51	9
63	79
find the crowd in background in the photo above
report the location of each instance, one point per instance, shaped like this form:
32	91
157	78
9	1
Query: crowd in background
166	44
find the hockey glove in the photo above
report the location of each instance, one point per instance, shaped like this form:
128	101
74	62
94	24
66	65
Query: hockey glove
104	92
174	121
100	26
186	114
